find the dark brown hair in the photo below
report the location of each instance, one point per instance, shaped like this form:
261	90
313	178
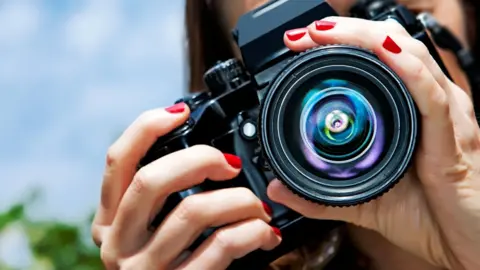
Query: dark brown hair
206	42
207	45
472	10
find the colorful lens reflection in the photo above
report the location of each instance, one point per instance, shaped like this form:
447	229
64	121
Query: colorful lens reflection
341	134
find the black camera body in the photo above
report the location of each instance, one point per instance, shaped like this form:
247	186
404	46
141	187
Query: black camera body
242	114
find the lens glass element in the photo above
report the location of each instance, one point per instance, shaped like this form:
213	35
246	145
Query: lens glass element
339	131
337	126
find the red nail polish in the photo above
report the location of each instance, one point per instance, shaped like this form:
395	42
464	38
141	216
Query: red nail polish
277	231
324	25
296	34
391	46
233	160
177	108
267	208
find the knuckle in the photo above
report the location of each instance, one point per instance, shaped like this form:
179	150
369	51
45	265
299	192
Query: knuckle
463	100
187	210
224	242
247	195
440	102
465	141
437	99
96	235
418	71
469	110
113	155
420	50
459	171
395	27
467	137
148	122
140	182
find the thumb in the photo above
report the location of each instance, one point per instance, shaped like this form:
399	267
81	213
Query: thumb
362	215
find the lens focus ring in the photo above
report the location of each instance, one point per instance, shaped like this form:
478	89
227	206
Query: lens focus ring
337	126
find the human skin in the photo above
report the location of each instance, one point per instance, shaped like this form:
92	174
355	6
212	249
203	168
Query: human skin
434	212
131	198
404	216
447	12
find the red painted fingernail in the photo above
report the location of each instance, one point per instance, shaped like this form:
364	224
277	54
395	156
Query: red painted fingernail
277	231
267	208
296	34
233	160
324	25
177	108
391	46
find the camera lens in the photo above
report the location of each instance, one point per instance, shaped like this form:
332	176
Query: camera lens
340	134
338	127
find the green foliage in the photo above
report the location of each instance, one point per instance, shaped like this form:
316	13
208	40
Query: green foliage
16	212
54	245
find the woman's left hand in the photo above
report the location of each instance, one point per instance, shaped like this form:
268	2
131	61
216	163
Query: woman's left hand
434	211
449	13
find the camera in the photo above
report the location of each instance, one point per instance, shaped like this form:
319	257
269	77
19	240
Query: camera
334	124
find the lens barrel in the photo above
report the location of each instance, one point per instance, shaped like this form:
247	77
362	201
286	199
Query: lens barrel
338	126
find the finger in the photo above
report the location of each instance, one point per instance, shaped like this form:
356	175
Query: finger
431	99
351	31
232	242
434	104
359	215
459	102
306	38
419	50
299	40
466	127
155	182
124	155
198	212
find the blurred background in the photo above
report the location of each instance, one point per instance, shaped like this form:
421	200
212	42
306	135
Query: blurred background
73	75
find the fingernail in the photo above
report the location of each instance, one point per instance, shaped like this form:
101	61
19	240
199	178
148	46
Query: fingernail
267	208
177	108
324	25
277	231
296	34
233	160
391	46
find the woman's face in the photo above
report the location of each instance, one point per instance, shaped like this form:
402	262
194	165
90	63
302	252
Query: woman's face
447	12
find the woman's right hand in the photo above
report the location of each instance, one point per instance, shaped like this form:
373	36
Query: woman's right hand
130	199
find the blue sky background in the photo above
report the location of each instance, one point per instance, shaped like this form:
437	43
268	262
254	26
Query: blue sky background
73	75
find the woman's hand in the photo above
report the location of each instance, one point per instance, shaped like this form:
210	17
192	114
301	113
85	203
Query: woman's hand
130	200
434	212
449	13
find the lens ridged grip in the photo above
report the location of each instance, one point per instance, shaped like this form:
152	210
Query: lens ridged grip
262	126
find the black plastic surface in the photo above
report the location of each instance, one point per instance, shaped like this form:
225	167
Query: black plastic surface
217	115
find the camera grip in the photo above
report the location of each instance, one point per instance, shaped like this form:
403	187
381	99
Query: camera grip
254	172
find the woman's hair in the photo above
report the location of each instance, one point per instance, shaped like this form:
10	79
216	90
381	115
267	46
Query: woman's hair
208	45
472	13
206	42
